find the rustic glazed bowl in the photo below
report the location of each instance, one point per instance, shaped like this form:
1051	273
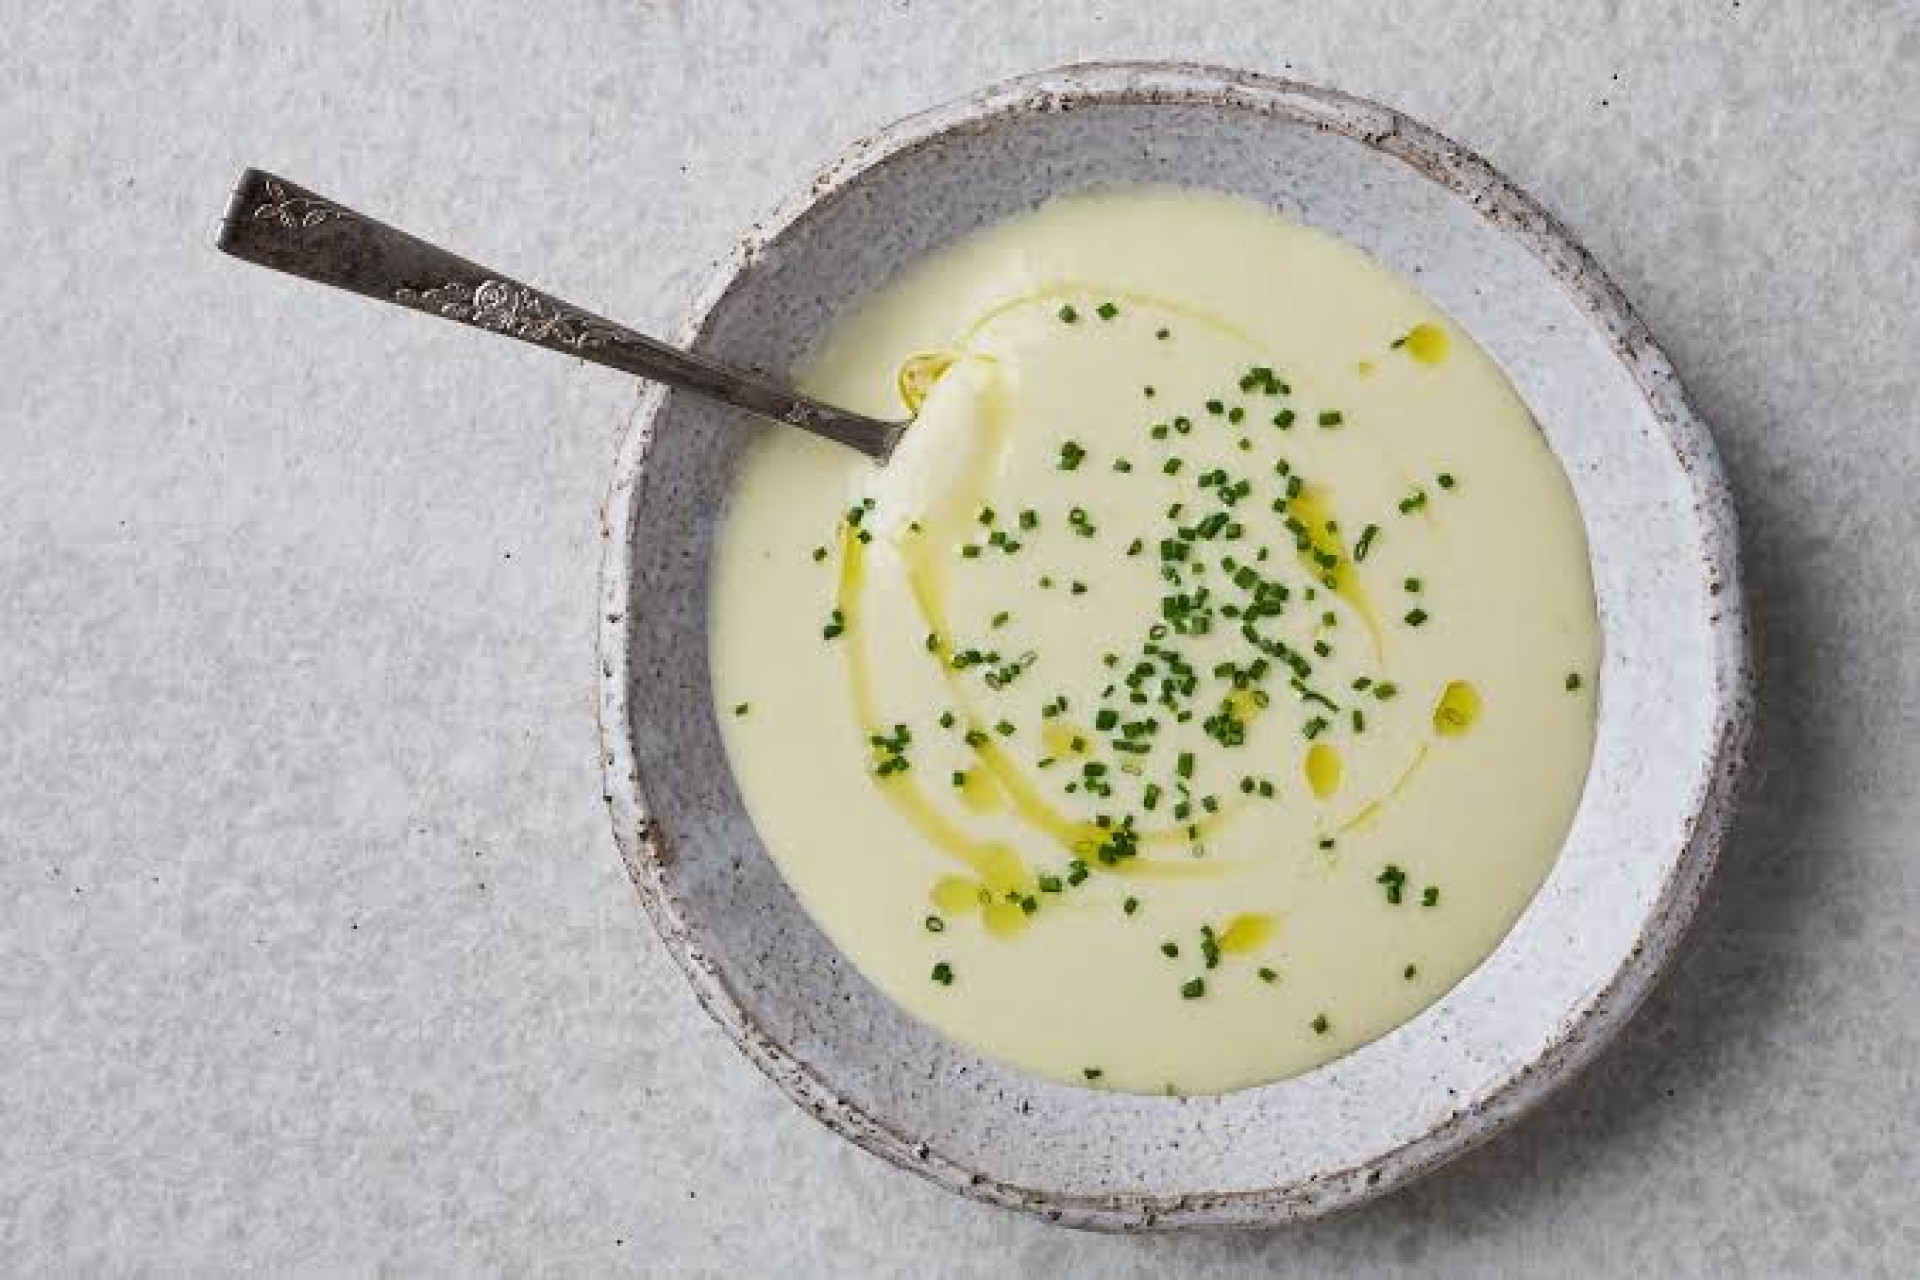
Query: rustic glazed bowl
1673	695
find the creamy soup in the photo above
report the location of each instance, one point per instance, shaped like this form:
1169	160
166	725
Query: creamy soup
1207	683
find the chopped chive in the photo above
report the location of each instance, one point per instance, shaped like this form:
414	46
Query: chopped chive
1320	1024
1171	950
1330	418
1068	315
1362	547
935	924
1445	480
1415	617
1107	310
1412	585
1163	334
819	554
943	974
1267	975
1092	1073
1573	681
1430	896
1193	988
1130	906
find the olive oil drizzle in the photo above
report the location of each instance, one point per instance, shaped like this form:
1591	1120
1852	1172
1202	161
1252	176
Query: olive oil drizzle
1001	877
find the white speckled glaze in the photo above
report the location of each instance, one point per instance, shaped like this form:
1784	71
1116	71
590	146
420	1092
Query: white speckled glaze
1673	688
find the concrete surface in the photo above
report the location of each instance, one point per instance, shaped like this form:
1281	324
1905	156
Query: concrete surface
314	951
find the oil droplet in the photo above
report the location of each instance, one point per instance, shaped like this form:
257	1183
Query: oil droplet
1002	869
1311	508
1426	343
956	895
1060	739
980	793
1246	933
1246	705
1004	919
917	376
1458	708
1324	769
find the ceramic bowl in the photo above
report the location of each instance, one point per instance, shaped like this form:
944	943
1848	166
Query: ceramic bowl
1673	698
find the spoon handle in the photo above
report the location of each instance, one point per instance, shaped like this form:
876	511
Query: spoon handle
276	224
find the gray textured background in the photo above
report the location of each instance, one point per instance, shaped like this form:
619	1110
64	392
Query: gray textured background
315	953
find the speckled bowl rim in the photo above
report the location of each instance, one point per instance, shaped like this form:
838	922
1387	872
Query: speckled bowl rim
1711	807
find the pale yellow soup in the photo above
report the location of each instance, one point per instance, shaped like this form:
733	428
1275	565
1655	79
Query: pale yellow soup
1205	686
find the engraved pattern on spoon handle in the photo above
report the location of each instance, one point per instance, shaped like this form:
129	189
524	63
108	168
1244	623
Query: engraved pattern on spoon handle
273	223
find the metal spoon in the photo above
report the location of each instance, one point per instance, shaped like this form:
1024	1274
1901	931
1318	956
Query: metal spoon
274	223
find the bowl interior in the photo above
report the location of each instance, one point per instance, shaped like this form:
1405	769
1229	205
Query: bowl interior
1625	880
